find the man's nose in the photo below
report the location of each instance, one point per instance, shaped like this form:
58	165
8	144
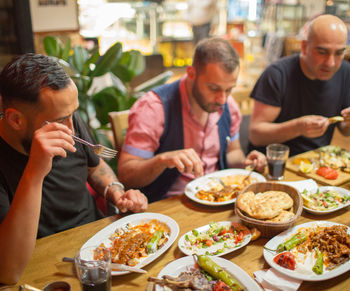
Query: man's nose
330	61
221	98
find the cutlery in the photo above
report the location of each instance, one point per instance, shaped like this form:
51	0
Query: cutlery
115	266
251	168
28	287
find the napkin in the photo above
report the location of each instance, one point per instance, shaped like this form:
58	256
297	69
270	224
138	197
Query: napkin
271	280
309	184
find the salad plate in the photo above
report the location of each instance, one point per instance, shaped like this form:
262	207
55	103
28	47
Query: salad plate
325	200
184	264
304	262
214	239
104	236
212	181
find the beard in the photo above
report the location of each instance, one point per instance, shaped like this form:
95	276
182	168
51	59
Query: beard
26	144
200	99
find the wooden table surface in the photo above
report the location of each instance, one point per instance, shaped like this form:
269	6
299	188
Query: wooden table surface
46	264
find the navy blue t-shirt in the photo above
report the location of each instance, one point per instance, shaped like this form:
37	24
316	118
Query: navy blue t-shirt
66	201
284	85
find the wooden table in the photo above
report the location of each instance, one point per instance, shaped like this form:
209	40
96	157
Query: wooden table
46	265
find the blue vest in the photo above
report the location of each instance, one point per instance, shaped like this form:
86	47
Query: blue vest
173	138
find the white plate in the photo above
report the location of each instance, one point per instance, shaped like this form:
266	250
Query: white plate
204	183
340	190
213	248
174	268
274	242
104	234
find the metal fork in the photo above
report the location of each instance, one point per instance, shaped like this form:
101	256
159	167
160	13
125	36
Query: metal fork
99	149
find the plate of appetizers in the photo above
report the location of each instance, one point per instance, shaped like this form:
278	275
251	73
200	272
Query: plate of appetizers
215	239
304	251
326	199
221	187
208	272
136	240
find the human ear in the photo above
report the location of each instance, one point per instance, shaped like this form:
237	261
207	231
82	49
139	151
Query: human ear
14	118
191	72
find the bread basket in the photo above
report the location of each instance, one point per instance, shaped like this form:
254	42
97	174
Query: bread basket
270	229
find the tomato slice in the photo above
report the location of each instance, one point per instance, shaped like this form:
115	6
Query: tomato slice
285	260
327	173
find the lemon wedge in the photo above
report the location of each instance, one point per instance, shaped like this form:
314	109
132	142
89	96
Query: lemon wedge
307	200
305	167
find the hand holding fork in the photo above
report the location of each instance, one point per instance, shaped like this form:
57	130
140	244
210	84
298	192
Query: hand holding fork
98	149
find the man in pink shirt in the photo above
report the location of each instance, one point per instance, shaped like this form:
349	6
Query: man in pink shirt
188	128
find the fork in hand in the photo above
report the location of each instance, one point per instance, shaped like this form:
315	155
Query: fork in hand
100	150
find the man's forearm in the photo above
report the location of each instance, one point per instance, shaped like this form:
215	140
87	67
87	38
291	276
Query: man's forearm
344	129
264	133
136	173
101	176
18	231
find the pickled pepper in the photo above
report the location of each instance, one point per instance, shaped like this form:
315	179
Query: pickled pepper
217	272
292	242
318	267
153	243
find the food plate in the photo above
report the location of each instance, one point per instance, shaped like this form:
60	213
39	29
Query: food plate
330	156
274	242
174	268
103	235
217	248
340	191
206	182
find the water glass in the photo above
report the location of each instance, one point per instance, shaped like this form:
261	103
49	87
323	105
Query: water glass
93	266
277	155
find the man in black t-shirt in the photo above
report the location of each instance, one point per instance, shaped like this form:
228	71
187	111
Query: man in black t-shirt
43	173
295	96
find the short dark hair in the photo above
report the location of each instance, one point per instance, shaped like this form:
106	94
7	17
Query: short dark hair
215	50
23	78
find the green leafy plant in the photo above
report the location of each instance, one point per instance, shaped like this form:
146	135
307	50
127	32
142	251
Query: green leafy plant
85	67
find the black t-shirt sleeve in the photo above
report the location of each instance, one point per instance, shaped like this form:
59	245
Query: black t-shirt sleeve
268	88
83	131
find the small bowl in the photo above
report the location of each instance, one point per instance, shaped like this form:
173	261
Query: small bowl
57	286
270	229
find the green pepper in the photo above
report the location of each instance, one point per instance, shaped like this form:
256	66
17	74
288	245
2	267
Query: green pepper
318	267
292	242
217	272
153	243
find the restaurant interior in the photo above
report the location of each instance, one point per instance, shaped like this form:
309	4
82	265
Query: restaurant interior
262	32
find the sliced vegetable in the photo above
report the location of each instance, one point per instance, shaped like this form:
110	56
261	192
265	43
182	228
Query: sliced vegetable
285	260
218	273
153	243
318	267
327	173
292	242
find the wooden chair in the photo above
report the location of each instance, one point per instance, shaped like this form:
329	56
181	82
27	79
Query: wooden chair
120	123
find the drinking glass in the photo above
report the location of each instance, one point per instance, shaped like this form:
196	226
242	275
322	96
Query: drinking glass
93	266
277	155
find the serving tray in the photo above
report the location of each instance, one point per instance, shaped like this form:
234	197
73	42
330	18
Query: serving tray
343	177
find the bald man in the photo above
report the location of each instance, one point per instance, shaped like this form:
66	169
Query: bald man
295	95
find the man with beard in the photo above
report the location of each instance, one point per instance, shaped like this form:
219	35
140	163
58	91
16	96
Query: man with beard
43	173
188	128
295	96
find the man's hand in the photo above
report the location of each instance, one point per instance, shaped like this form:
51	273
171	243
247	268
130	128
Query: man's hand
312	125
132	200
186	161
259	158
49	141
346	114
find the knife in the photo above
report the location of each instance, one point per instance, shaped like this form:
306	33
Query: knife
115	266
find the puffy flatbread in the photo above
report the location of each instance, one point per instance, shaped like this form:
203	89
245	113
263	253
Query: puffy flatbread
335	119
284	216
264	205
